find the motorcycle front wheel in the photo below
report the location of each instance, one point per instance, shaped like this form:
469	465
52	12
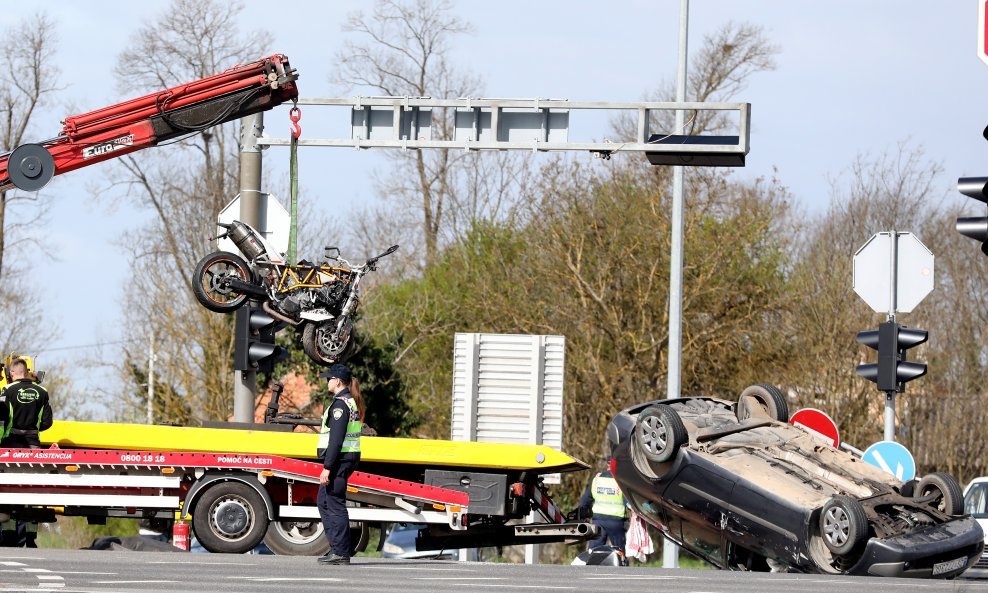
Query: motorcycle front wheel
319	345
209	281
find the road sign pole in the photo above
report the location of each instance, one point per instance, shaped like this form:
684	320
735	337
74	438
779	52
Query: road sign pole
893	305
889	415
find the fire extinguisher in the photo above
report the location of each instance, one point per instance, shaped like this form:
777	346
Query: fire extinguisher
180	535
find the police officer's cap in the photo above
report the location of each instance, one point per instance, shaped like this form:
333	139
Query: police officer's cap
337	371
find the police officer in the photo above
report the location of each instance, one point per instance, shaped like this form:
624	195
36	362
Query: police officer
609	510
339	449
26	410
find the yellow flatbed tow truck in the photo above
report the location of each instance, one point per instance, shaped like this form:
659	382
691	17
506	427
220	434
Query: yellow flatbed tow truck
503	481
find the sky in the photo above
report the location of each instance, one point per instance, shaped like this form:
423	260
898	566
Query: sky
852	78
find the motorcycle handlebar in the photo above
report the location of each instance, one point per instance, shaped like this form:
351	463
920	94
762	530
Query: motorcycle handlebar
374	259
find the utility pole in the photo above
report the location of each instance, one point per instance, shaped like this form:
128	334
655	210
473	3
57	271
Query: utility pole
670	552
245	382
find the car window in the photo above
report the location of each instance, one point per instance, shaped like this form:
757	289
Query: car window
976	501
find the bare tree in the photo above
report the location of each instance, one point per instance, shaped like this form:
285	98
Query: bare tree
403	49
182	186
30	78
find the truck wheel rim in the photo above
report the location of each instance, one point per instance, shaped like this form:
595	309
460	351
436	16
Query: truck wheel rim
231	518
299	532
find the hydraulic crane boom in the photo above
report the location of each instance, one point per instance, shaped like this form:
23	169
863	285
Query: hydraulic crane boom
126	127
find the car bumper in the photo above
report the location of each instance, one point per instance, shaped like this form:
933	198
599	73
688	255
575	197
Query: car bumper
939	551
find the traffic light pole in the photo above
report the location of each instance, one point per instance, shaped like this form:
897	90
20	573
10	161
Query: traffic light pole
889	434
245	381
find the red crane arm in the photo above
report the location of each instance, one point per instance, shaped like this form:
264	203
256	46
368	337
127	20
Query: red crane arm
126	127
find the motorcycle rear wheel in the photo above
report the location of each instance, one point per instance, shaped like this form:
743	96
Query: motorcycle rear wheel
317	343
208	281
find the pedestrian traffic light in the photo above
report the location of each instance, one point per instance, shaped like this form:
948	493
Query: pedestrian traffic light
254	347
892	371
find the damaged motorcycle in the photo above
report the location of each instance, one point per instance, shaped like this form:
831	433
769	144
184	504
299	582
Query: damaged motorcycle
318	300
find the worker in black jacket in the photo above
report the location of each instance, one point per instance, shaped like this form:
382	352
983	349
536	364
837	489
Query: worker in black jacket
339	449
25	410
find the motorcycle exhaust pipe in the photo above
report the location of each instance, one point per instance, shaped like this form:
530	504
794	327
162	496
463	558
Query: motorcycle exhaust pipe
267	309
246	241
246	287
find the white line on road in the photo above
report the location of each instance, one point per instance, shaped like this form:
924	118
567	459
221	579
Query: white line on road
131	582
49	577
434	568
289	579
458	578
202	563
632	577
515	586
12	563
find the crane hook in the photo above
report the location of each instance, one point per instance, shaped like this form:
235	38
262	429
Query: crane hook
295	114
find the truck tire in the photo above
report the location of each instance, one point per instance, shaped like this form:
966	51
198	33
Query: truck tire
308	538
297	538
230	517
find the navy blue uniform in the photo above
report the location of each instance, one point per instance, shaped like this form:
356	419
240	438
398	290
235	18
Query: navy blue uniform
341	461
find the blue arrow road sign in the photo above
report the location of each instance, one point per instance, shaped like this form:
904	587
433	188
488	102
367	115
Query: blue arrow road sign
891	457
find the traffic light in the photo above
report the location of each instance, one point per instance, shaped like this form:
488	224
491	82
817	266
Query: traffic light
254	347
975	227
892	371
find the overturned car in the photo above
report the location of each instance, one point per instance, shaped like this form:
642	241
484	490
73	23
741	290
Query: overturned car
735	484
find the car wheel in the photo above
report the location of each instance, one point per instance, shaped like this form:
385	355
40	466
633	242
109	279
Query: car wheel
843	525
659	433
770	398
947	492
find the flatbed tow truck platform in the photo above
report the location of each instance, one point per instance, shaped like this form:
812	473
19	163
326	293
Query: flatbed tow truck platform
471	494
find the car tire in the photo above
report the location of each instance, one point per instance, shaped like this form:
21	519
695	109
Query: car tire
770	398
659	433
843	525
949	497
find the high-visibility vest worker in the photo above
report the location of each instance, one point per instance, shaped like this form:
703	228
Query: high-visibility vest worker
351	441
607	497
339	449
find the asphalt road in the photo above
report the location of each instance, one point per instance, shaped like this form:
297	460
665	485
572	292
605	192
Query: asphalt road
118	572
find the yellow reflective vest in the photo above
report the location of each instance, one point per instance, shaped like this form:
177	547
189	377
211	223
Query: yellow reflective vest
607	497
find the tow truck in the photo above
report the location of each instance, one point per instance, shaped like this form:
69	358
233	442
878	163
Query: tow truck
246	483
243	483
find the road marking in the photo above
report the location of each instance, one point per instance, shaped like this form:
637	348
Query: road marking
13	564
433	568
203	563
515	586
632	577
35	570
49	577
291	579
458	578
130	582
